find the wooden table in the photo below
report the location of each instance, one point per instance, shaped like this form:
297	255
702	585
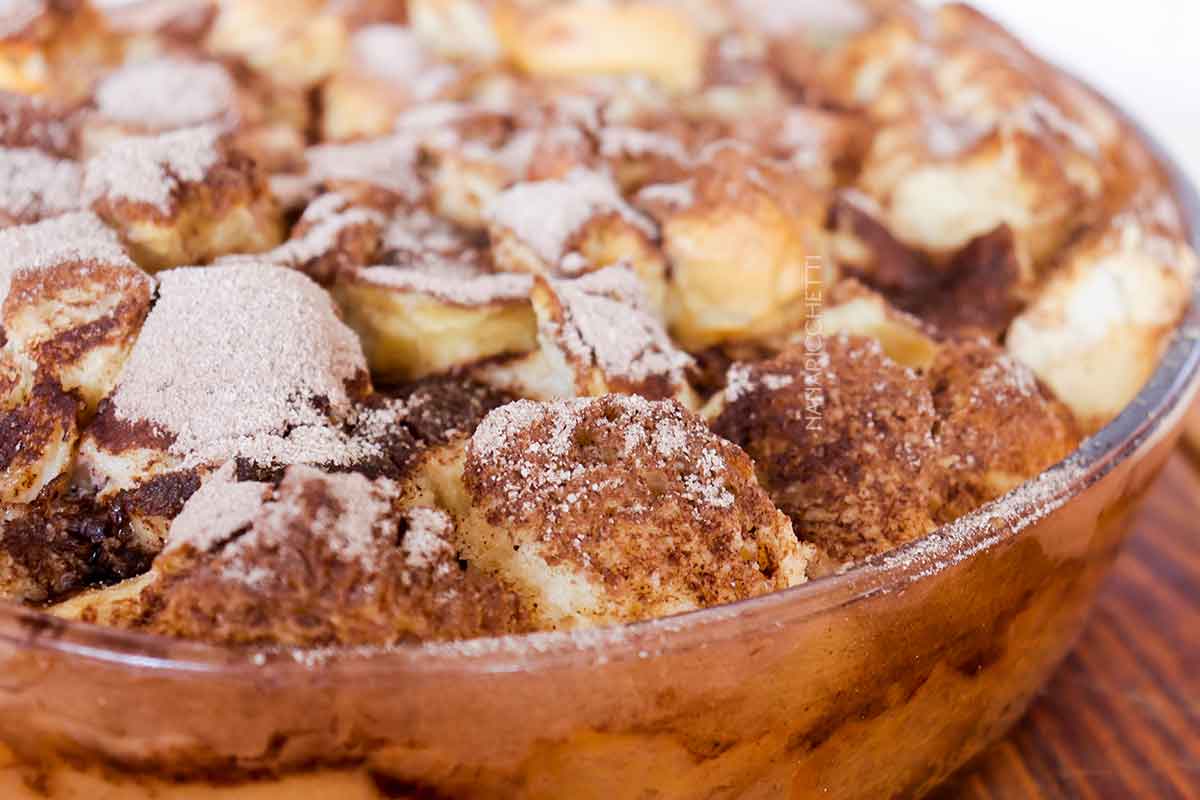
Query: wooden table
1121	719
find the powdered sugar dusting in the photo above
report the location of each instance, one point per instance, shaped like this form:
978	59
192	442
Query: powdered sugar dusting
454	283
428	255
395	54
79	239
150	169
154	15
617	141
414	238
745	379
317	233
351	515
675	196
17	15
34	185
546	214
426	542
389	163
167	93
235	358
604	322
782	17
217	510
535	456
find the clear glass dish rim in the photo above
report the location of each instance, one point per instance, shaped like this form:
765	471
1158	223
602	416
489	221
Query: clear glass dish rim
1172	382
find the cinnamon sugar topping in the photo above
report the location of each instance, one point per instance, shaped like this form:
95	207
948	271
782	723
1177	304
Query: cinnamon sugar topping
246	360
546	214
218	510
530	454
151	169
602	320
388	163
79	238
353	520
198	92
34	185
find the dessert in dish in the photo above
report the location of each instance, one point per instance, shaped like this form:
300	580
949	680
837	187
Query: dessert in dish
362	326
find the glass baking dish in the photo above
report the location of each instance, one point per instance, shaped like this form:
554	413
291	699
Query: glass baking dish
878	682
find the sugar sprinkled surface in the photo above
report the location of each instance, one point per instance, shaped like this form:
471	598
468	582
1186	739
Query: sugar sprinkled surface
427	255
166	93
782	17
241	360
457	284
546	214
531	451
636	142
317	233
418	236
218	509
389	163
78	239
676	196
744	379
605	322
350	515
34	185
17	15
30	121
150	169
153	15
426	540
394	53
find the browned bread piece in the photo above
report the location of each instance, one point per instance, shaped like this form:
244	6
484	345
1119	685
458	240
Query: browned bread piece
596	334
998	426
73	302
745	247
616	509
280	375
183	197
572	225
864	453
318	560
842	439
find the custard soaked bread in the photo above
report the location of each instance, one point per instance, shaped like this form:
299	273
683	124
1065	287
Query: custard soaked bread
182	197
368	323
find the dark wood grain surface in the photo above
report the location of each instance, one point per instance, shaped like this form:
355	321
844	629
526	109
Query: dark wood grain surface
1121	718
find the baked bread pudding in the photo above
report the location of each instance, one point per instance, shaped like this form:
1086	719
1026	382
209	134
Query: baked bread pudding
358	324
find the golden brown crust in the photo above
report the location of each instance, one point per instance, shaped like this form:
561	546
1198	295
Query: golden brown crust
721	288
864	454
37	439
73	313
183	197
842	439
619	508
998	425
304	568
